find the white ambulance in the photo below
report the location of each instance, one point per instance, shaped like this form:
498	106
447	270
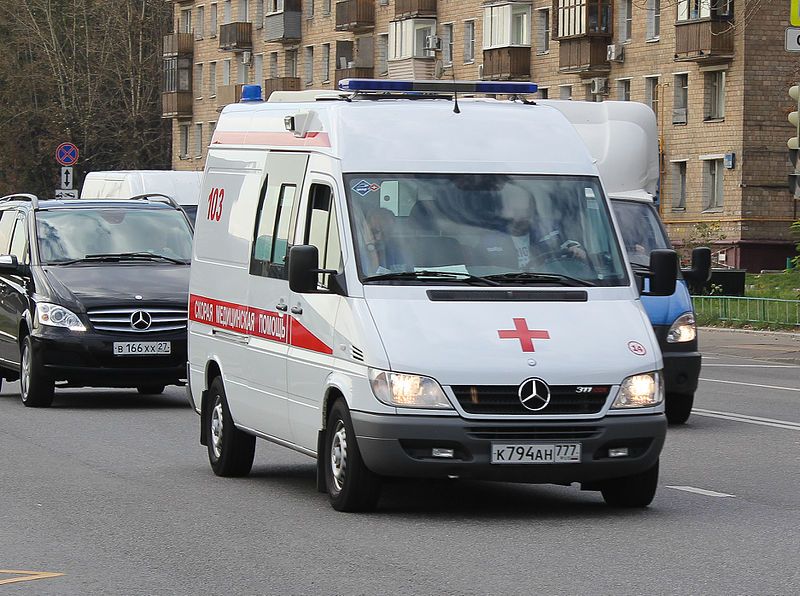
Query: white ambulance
401	288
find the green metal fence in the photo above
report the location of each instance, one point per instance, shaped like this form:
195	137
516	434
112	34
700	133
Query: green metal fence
747	310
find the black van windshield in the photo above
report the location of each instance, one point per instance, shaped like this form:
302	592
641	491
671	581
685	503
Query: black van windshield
113	234
506	229
641	230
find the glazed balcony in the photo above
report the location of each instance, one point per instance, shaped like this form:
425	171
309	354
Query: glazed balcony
284	26
414	8
178	44
707	40
236	36
355	15
176	104
281	84
500	64
586	54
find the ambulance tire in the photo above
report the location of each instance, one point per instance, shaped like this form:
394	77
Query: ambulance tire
230	450
635	491
351	486
678	407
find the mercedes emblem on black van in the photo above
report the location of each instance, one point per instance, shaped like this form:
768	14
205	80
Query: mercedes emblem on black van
141	320
534	394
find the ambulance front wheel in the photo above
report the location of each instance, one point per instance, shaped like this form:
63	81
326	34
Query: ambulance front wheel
678	407
230	451
634	491
351	486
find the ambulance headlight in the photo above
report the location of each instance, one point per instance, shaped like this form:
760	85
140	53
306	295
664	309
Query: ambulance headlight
407	391
683	329
640	391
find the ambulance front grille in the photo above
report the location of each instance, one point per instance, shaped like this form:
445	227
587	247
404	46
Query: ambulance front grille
121	319
504	399
533	433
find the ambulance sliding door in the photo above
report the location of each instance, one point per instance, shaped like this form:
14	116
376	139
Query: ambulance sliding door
269	291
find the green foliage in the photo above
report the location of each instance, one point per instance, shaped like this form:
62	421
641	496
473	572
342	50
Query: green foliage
702	234
795	228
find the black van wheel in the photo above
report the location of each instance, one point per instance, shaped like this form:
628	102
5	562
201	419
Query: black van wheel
678	407
230	450
633	491
35	388
351	486
150	389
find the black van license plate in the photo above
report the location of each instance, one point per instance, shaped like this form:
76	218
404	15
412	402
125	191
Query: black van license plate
142	348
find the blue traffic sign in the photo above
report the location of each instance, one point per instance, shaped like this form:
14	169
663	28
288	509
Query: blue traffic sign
67	154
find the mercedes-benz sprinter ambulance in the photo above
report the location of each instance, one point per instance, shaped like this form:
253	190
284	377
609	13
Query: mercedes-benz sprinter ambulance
401	288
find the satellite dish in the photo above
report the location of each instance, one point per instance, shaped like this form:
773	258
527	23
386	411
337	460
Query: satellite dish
438	69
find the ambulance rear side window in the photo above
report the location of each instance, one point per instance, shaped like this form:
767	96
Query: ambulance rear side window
276	212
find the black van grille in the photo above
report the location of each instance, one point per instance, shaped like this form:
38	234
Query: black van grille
121	319
504	399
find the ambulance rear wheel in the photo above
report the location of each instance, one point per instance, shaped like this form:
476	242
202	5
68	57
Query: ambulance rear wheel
636	491
351	486
230	451
678	407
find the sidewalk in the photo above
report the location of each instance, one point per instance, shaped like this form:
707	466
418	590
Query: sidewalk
763	345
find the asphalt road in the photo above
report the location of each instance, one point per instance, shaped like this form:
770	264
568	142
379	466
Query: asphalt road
113	491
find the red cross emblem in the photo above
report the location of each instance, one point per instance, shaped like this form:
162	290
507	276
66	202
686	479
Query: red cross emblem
523	334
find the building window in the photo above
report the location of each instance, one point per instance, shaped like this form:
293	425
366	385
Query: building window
258	69
681	106
291	63
198	81
678	186
183	134
407	38
715	95
309	8
244	11
624	89
565	92
543	30
200	23
177	75
543	92
326	7
653	19
259	14
198	140
383	54
242	70
469	42
186	21
308	64
226	72
273	65
213	23
227	12
326	63
712	192
274	6
689	10
651	93
579	17
506	25
212	79
627	20
211	127
447	44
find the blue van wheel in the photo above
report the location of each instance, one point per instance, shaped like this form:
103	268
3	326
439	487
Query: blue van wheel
678	407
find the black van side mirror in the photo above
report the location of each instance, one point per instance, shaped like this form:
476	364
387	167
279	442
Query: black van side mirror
700	272
663	272
304	269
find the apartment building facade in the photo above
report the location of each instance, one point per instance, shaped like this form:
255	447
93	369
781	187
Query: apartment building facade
715	73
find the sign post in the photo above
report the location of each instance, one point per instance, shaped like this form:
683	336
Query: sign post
67	156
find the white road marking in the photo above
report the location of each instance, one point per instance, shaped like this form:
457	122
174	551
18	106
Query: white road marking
785	424
702	491
752	384
756	365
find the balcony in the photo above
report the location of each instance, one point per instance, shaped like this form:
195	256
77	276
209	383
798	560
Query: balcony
500	64
412	68
414	8
176	104
228	94
281	84
236	36
178	44
284	26
585	55
357	72
704	41
355	15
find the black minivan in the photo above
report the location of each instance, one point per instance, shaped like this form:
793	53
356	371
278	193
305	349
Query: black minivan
93	294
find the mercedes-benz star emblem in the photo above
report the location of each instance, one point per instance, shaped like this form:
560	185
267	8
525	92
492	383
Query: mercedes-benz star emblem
141	320
534	394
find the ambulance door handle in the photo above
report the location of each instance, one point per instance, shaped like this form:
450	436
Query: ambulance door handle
297	310
283	307
234	337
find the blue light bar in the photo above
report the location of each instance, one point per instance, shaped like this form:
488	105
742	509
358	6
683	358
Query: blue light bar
437	86
250	93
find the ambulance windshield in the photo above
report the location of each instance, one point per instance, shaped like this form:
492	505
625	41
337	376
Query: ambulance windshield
508	228
641	230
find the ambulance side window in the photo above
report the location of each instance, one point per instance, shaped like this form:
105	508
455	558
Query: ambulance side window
322	229
276	214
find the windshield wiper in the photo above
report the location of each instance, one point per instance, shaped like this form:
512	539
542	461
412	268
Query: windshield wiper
416	275
524	277
131	256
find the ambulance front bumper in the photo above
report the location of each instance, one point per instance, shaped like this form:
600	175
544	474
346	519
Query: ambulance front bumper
403	446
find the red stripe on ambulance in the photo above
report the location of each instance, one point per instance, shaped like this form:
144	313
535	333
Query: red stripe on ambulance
281	139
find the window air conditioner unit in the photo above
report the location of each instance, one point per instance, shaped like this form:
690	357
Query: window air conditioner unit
614	52
598	86
433	43
247	57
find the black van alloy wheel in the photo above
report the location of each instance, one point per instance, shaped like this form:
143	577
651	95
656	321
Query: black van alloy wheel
35	388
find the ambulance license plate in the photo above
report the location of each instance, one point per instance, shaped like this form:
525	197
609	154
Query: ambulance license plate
142	348
527	453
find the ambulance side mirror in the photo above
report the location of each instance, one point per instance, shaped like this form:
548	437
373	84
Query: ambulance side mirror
304	270
663	272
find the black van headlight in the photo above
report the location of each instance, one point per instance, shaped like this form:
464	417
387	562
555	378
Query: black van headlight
54	315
